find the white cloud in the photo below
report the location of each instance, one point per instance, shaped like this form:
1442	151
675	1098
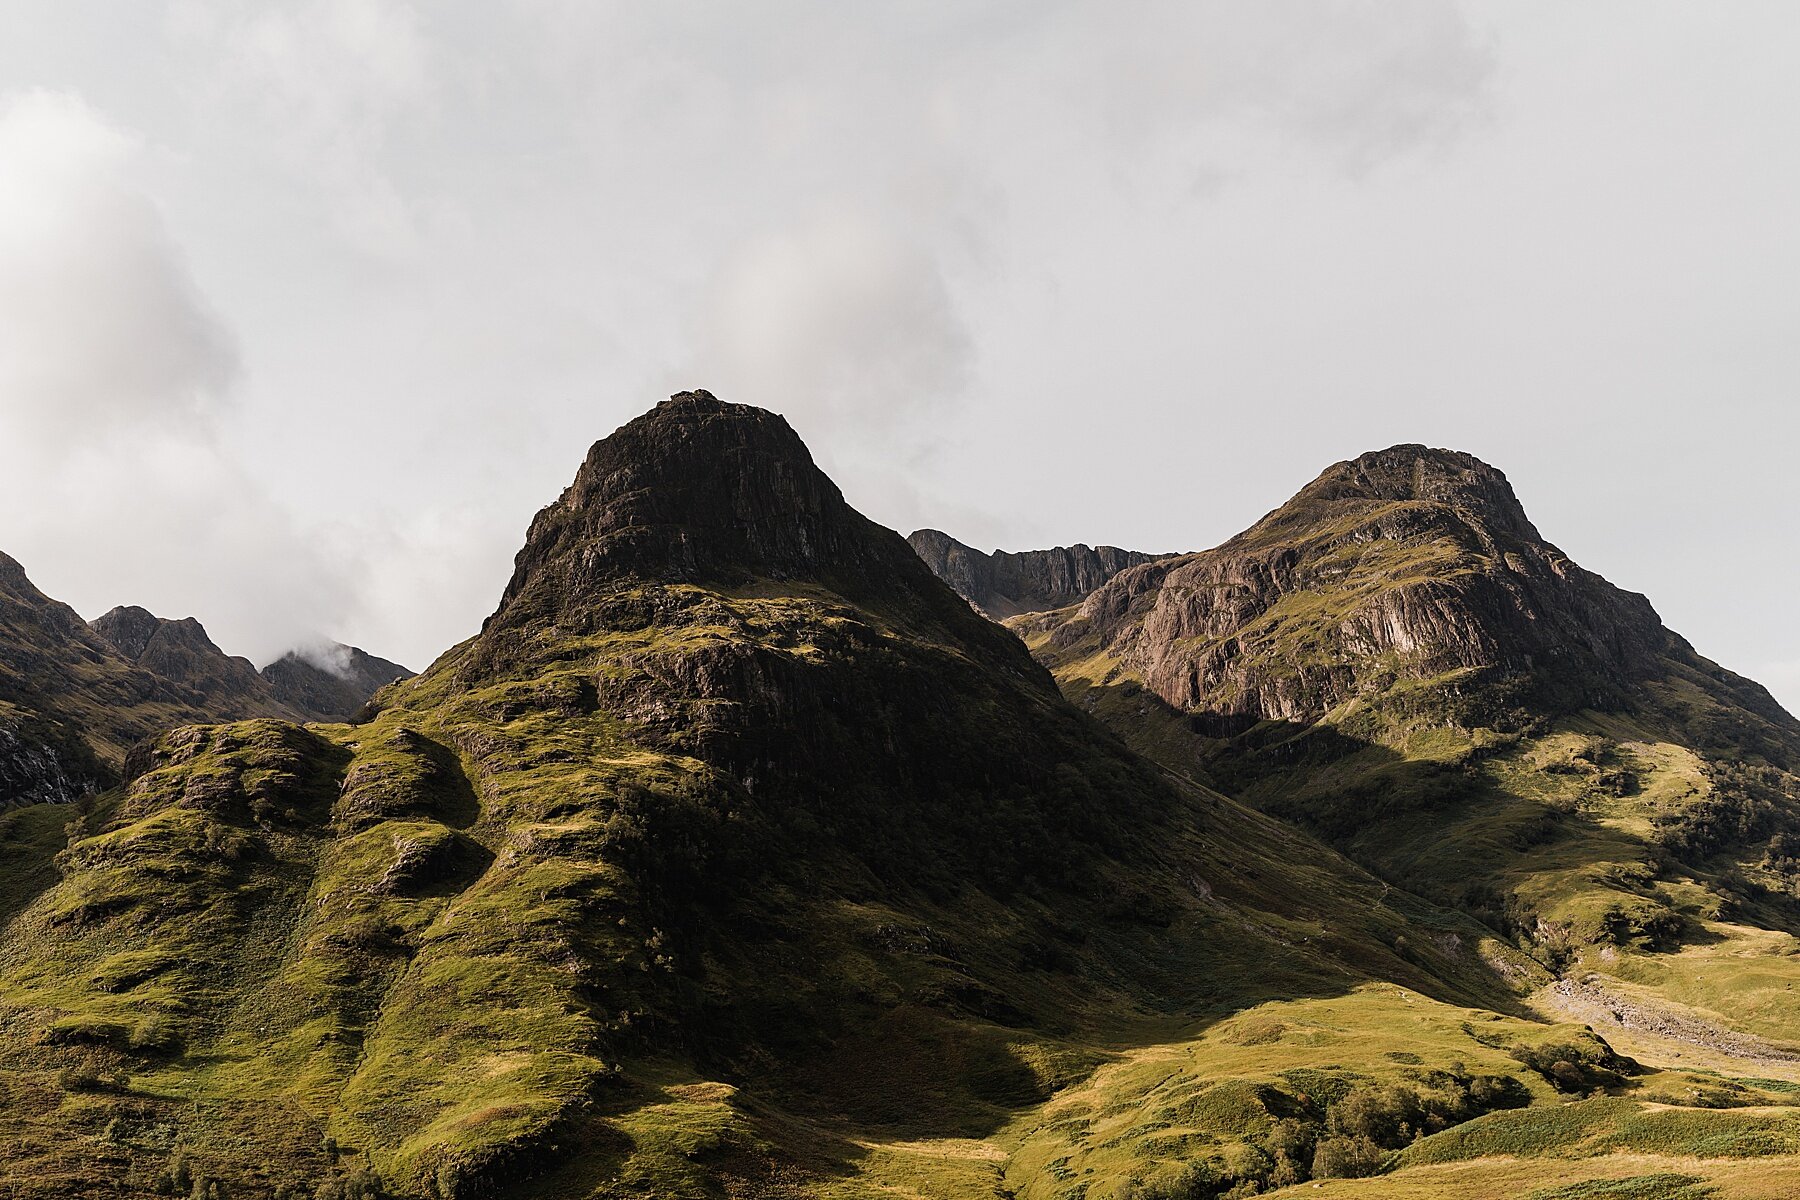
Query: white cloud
331	76
1031	272
842	321
115	484
101	327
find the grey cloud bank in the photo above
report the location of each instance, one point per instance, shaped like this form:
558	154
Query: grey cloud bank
305	308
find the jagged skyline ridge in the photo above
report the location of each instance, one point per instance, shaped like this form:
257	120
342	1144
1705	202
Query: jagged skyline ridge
973	334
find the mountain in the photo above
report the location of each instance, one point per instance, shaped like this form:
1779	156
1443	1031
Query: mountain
1397	660
331	682
70	704
737	856
75	696
1005	584
181	654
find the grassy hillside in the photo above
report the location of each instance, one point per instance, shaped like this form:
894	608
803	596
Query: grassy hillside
1625	812
738	857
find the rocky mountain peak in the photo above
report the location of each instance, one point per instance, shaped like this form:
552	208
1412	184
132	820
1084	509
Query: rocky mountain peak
1408	486
701	491
136	632
128	628
1410	563
693	489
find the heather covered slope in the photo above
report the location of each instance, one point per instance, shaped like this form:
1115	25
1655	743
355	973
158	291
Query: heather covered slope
1397	660
736	856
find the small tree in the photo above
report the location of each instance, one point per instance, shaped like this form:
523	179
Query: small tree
1346	1158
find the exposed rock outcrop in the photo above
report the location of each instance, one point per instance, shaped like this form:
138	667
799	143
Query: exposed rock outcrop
1006	584
701	491
1403	565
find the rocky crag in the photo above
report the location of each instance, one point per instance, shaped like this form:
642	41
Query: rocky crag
1008	583
1402	565
1397	659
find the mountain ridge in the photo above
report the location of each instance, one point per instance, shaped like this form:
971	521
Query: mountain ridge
735	841
1397	660
1006	584
739	856
75	696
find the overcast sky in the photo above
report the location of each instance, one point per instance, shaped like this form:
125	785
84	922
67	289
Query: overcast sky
305	308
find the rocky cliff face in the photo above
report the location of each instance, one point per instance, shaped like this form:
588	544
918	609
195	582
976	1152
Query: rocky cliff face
1006	584
1407	564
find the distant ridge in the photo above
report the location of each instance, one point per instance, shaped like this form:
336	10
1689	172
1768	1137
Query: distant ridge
1007	583
75	696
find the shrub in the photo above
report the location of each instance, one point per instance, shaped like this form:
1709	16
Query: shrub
1387	1116
1577	1068
1183	1181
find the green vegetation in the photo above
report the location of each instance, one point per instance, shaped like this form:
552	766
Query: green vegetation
736	858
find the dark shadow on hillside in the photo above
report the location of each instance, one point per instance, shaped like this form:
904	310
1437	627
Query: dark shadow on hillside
455	801
1369	802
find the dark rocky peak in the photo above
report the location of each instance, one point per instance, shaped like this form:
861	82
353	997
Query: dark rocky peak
1006	584
129	629
181	653
331	682
704	492
693	502
139	634
697	489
